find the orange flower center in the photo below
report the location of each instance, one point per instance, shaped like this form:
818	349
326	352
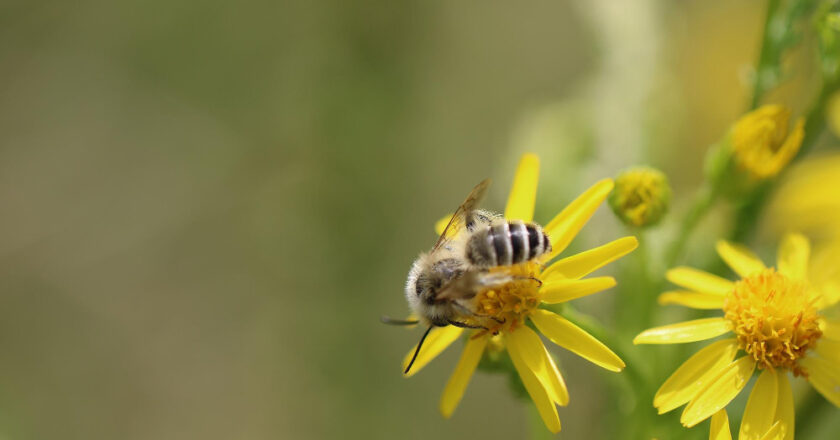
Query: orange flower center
506	306
774	319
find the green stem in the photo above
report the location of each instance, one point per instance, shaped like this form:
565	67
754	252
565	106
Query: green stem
591	326
767	58
632	309
643	416
703	200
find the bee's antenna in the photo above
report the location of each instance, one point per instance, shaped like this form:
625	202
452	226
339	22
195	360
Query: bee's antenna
420	344
391	321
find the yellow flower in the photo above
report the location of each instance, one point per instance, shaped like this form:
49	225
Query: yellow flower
519	301
641	196
761	143
776	319
807	199
720	429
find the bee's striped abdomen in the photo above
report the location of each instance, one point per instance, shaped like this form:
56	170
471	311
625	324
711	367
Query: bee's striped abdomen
507	243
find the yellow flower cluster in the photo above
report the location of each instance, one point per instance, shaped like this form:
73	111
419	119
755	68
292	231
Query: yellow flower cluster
774	316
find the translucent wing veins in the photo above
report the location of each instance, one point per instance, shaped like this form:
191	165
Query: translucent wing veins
462	214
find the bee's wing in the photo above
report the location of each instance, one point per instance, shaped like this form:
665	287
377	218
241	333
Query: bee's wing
471	282
462	287
462	214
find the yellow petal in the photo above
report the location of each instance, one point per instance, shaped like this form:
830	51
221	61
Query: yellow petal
829	349
794	252
584	263
573	338
545	406
524	344
720	426
776	432
440	225
695	300
694	374
825	377
828	294
830	329
719	392
760	413
784	407
742	260
786	151
558	291
457	384
689	331
438	340
565	226
523	194
700	281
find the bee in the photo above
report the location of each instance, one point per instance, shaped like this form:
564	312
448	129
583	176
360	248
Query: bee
443	282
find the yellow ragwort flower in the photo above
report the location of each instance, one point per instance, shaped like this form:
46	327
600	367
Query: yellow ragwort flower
641	196
519	301
761	143
775	315
720	429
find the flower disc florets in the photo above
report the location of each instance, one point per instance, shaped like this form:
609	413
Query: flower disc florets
508	305
773	318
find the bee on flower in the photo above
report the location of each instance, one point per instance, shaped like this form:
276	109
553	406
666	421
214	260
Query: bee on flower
775	318
487	277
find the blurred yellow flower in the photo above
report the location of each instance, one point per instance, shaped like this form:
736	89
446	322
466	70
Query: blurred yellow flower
761	143
807	200
777	324
641	196
517	302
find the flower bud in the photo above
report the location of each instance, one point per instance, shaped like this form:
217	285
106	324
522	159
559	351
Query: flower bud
641	196
761	143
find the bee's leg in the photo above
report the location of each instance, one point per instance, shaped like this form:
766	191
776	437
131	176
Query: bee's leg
391	321
476	314
497	279
498	320
539	281
465	325
487	279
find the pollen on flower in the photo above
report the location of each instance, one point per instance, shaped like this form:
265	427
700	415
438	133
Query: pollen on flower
774	319
505	307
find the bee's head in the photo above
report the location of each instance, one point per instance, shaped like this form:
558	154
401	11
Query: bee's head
426	278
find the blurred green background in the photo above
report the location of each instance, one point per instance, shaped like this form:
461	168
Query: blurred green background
207	205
